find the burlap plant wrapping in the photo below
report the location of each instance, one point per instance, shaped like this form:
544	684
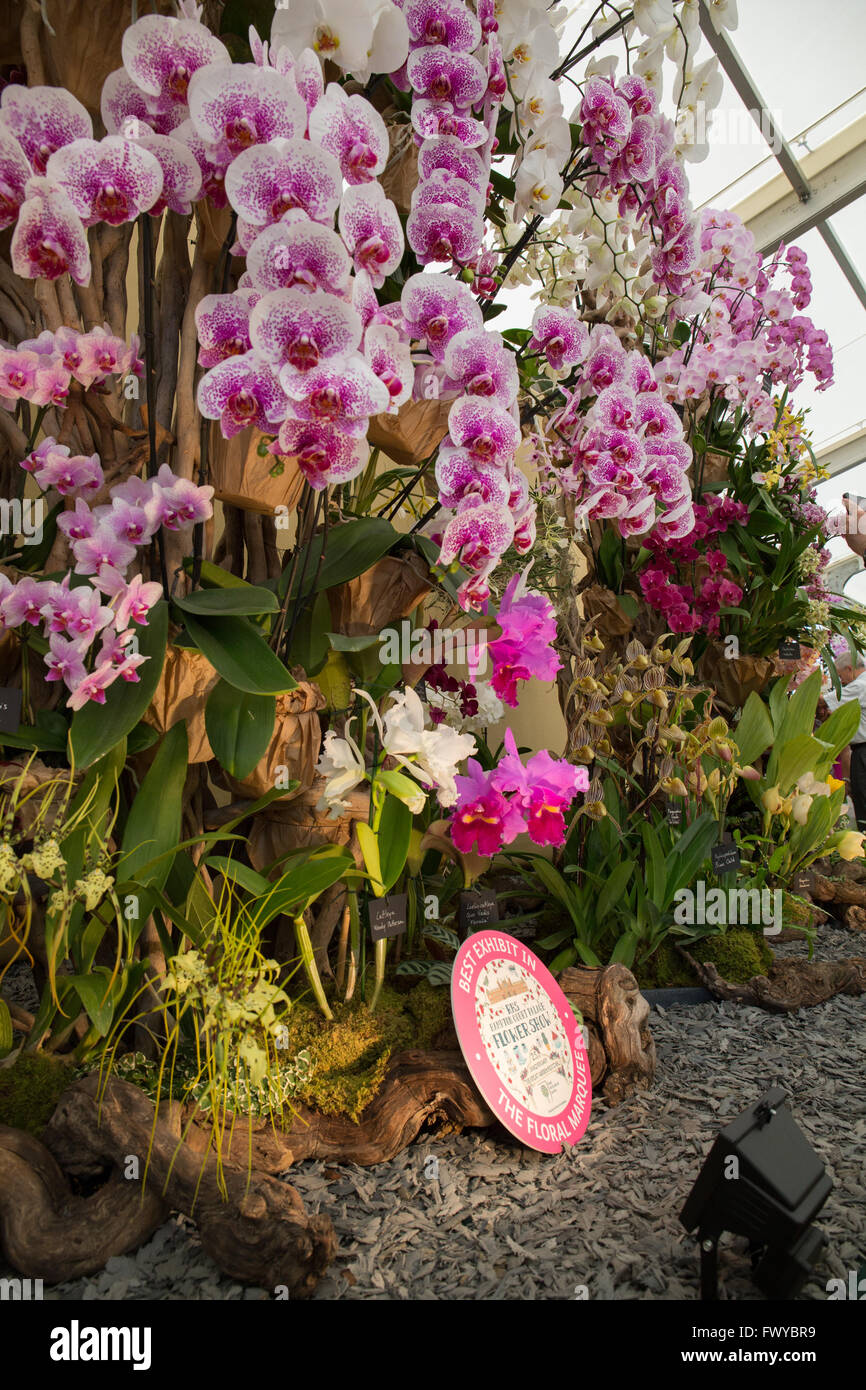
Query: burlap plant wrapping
735	678
186	682
85	45
411	436
400	175
296	823
294	747
243	478
386	592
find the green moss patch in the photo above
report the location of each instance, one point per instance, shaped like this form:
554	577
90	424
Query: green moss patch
666	969
30	1090
737	955
349	1056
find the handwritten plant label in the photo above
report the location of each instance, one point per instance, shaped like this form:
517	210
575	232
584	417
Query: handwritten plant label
521	1041
387	916
477	910
725	857
789	650
10	709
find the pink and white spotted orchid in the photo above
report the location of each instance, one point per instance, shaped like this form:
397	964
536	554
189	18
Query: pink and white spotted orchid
43	119
110	180
352	130
263	183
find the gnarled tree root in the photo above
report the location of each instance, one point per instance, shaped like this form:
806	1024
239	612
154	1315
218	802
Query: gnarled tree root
420	1089
260	1235
622	1054
792	983
48	1233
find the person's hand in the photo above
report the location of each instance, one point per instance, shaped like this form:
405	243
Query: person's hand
855	533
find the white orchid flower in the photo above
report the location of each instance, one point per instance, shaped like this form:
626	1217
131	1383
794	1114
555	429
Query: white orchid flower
342	764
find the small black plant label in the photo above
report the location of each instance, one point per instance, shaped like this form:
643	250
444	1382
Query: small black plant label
674	813
10	709
477	910
387	916
789	650
803	882
725	857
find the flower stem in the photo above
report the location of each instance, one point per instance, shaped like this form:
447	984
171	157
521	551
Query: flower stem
305	946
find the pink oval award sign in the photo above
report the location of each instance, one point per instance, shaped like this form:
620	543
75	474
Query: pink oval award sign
521	1041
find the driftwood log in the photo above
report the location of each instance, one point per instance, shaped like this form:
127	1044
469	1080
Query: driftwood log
855	917
791	984
838	890
47	1232
260	1235
421	1090
616	1017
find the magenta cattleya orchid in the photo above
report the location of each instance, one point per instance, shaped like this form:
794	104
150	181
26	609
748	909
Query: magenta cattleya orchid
15	171
181	175
242	390
543	790
110	180
242	106
43	119
483	817
343	391
559	336
528	626
488	433
49	238
442	22
352	130
296	253
263	183
371	231
482	365
296	330
436	308
162	54
325	455
223	325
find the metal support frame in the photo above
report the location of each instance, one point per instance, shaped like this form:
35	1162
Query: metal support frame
818	201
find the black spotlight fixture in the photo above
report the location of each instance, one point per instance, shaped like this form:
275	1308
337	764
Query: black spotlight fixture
761	1179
